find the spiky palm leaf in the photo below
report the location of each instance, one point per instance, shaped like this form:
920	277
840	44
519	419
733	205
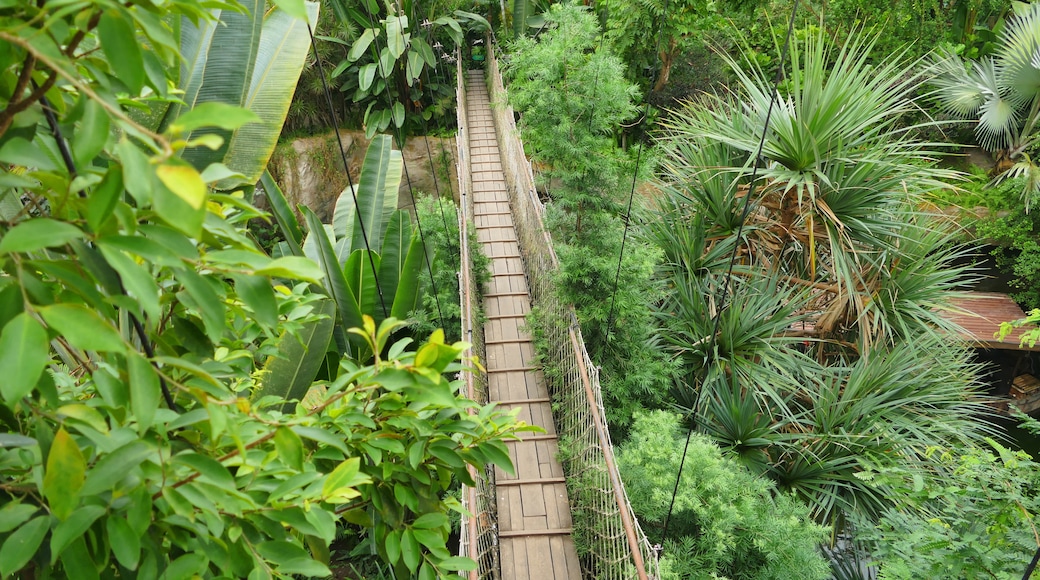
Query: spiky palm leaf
838	166
1019	53
831	352
887	409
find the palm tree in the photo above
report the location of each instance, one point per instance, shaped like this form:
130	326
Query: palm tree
830	353
1001	93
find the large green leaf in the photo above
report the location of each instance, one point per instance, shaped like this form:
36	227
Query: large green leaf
24	352
395	249
283	214
219	57
279	61
396	40
361	279
290	372
335	283
344	216
377	192
406	299
522	9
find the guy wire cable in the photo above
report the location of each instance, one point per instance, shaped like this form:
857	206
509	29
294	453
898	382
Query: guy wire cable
404	165
632	193
429	154
712	340
346	168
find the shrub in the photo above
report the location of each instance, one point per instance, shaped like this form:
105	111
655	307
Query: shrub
726	521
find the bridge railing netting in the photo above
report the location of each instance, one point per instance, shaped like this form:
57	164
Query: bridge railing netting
610	542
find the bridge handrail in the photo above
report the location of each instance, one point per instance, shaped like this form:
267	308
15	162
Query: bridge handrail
582	375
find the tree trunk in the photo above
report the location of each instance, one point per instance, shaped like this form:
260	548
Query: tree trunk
667	58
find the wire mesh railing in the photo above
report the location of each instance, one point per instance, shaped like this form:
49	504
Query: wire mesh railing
609	540
479	531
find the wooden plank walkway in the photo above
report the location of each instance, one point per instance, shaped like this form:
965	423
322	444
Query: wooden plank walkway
533	511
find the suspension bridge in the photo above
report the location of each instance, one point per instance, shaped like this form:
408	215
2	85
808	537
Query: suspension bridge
559	515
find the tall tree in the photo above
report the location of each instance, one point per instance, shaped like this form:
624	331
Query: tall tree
638	28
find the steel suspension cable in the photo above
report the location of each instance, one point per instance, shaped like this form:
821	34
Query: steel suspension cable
632	192
346	169
429	154
404	165
712	339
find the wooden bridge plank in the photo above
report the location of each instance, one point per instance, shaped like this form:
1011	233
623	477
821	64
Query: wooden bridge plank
537	501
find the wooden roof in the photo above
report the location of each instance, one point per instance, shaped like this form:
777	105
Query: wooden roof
979	314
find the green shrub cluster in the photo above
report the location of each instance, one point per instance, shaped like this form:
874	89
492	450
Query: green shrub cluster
726	522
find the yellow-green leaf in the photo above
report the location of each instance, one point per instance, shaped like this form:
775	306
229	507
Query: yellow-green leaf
180	198
213	114
294	268
88	416
345	475
294	8
185	182
289	447
63	478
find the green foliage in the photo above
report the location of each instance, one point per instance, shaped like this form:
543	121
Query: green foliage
439	218
977	521
635	372
977	191
370	255
638	28
726	522
1017	237
386	61
569	131
569	128
147	431
1031	336
825	355
1001	93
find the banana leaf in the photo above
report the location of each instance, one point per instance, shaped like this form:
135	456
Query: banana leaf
335	283
289	373
283	214
522	10
377	193
284	43
362	283
219	57
395	250
406	299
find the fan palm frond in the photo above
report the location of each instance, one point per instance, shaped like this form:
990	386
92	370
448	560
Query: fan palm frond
959	91
1019	53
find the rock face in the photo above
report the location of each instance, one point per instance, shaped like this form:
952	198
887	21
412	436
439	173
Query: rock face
310	170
